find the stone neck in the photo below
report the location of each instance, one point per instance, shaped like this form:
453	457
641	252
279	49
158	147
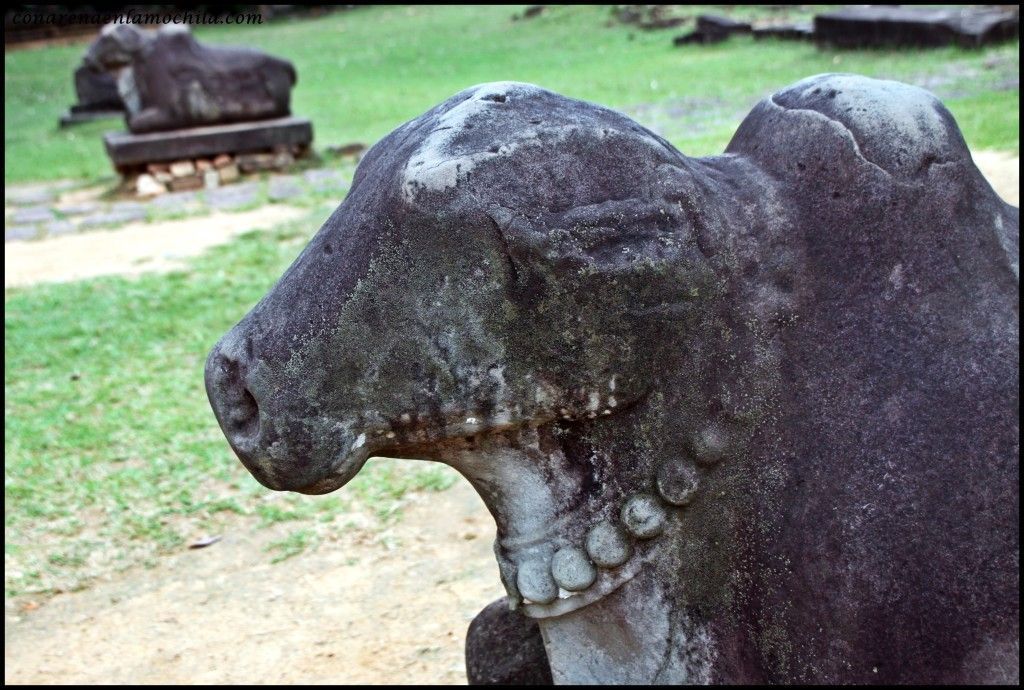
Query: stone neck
567	536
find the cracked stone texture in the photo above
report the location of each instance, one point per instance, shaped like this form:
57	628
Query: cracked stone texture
819	327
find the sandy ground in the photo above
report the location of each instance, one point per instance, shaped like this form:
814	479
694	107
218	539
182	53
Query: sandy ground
374	606
131	249
1003	173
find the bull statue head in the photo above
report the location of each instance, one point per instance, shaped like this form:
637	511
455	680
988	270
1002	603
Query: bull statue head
712	404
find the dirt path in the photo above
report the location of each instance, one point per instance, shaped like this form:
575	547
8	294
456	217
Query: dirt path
1003	173
373	607
132	249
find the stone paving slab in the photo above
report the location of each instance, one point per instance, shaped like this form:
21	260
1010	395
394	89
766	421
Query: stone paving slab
32	214
35	211
60	227
35	193
20	232
113	217
325	180
79	209
176	201
233	196
22	197
283	187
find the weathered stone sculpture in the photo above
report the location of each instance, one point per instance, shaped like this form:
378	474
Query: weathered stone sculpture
744	418
97	96
168	80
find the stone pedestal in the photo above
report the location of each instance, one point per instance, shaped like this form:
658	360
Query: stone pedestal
77	115
129	151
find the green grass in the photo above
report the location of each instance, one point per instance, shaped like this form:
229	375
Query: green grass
112	454
109	438
363	72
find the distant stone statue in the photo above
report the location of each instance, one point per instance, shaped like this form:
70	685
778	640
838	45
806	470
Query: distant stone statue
168	80
97	95
739	419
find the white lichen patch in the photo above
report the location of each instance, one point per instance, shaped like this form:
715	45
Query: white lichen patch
435	165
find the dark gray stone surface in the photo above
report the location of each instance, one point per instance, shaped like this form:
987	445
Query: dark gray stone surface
168	80
712	28
888	26
496	627
772	394
127	149
97	94
789	32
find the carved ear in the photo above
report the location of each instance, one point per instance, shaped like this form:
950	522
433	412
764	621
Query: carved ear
894	127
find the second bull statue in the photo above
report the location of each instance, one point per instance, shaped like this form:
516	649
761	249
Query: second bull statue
169	80
744	418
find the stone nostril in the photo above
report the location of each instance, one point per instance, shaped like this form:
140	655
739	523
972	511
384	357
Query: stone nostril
233	403
245	414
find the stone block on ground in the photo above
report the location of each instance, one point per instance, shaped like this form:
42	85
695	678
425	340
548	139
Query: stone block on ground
23	196
20	232
222	160
182	168
59	227
118	214
233	196
888	26
180	184
788	32
228	173
147	185
126	150
284	187
211	179
80	208
256	162
326	180
712	28
32	214
175	201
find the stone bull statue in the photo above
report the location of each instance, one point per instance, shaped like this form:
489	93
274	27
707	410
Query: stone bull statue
168	80
739	419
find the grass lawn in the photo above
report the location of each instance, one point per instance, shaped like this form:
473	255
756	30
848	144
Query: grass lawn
364	72
112	453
